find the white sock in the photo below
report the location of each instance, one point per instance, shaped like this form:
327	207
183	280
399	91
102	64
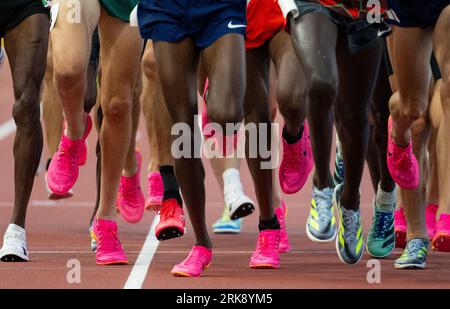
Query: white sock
231	182
385	200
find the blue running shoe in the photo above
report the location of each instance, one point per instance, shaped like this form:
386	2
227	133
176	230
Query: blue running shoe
414	256
381	237
224	225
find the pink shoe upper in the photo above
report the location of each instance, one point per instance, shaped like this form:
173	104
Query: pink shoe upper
400	220
431	211
198	259
130	198
266	254
443	225
63	170
297	163
155	191
284	240
402	163
109	250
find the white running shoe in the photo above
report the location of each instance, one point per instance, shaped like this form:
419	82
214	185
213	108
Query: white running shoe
14	245
239	205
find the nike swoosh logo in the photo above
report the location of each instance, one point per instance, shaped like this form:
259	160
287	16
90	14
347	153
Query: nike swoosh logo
231	26
383	32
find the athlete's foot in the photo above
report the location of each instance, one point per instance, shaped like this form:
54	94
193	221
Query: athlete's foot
402	163
381	237
130	199
338	176
171	223
350	239
198	260
64	167
155	191
224	225
52	195
297	163
239	205
321	224
400	228
109	250
441	241
14	247
414	256
281	216
266	254
93	238
430	215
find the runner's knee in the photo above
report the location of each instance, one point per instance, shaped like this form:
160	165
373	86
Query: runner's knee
323	89
223	112
117	111
26	111
290	101
68	75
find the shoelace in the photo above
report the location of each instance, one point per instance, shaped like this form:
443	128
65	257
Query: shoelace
414	247
292	158
168	211
350	225
12	236
194	256
322	198
130	191
266	245
109	239
404	160
69	162
383	222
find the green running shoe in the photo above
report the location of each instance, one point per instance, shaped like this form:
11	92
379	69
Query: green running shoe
381	237
350	240
224	225
414	255
321	224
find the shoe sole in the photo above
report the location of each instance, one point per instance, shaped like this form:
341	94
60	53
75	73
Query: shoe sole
264	266
242	211
314	239
56	196
441	242
13	258
379	256
345	262
410	266
113	263
181	274
153	206
169	233
226	231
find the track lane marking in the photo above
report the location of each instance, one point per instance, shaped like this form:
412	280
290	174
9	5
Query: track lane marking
7	128
140	268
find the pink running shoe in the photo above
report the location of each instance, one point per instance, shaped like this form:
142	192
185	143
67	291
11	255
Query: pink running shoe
130	199
400	228
109	250
297	163
63	170
441	241
402	163
431	211
198	260
266	255
171	222
155	191
284	240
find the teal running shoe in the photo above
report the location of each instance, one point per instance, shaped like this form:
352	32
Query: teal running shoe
350	240
381	237
321	224
224	225
414	255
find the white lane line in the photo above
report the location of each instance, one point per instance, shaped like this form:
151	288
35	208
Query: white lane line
7	128
140	268
49	203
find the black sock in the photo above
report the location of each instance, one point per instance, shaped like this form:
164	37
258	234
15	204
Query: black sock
271	224
292	139
171	188
48	164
